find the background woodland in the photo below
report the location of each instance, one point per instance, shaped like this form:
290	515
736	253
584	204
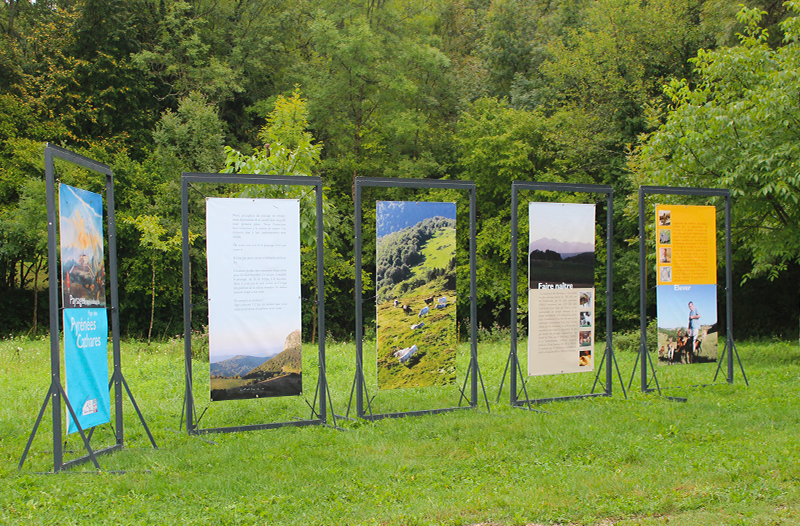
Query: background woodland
618	92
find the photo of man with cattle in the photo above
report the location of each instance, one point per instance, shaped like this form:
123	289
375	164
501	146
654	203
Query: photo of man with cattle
416	300
687	324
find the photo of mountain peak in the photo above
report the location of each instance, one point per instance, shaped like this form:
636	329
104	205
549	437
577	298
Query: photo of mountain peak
241	377
563	251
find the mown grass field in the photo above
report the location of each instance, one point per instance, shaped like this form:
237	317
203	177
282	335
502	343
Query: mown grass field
729	455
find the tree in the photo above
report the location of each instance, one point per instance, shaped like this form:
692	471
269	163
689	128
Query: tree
23	240
599	78
181	57
497	145
378	93
152	233
738	128
289	149
117	98
190	139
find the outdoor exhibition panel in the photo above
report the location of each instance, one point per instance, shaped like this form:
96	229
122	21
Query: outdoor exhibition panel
686	283
415	254
254	297
85	312
415	266
561	290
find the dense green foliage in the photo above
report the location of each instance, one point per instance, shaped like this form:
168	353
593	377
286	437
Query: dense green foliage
737	128
616	92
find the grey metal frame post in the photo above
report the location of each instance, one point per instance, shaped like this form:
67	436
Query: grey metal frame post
730	346
56	390
473	372
192	422
608	354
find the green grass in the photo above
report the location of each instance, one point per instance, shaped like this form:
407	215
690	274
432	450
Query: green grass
729	455
437	252
434	363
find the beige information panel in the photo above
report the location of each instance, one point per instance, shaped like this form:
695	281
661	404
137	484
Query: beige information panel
561	291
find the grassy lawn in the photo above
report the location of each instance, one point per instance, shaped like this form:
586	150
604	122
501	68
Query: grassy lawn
730	455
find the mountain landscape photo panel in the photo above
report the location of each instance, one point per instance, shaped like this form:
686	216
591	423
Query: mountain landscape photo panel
416	304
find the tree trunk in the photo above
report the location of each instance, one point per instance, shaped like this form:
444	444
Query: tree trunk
152	303
314	323
36	296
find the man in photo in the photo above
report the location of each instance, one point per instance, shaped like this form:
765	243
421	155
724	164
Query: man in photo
692	330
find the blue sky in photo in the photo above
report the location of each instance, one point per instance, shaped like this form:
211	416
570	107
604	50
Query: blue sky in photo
673	305
393	216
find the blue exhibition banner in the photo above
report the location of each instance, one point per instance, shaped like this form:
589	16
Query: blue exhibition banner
84	300
86	365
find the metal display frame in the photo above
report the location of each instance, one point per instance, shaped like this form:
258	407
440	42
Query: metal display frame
189	411
730	345
473	371
56	390
608	354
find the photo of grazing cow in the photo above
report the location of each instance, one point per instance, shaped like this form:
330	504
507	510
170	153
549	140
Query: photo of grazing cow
407	309
418	326
429	300
403	355
423	312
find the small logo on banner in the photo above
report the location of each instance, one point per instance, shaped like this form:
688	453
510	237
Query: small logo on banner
90	407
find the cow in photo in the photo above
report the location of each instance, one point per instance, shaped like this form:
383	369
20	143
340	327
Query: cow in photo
403	355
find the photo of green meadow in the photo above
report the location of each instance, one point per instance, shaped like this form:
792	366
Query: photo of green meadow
416	310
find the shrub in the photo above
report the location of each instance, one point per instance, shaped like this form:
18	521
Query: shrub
629	341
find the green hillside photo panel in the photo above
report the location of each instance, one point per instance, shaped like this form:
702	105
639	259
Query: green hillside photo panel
416	283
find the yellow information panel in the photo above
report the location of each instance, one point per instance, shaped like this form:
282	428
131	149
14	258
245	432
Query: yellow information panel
686	238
